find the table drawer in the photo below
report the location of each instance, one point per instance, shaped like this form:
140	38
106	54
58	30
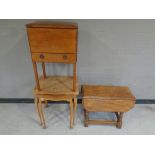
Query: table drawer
52	40
47	57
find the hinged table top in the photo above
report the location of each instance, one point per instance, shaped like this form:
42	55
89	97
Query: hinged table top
107	92
59	25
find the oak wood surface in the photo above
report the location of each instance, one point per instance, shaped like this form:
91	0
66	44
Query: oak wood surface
37	109
58	58
56	88
107	98
74	77
74	109
107	92
52	40
44	70
119	120
36	75
102	122
47	24
57	38
115	99
42	114
100	105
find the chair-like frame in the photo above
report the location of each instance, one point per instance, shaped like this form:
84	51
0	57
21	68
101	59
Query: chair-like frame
40	99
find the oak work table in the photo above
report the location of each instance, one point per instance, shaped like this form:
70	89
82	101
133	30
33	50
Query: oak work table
54	43
114	99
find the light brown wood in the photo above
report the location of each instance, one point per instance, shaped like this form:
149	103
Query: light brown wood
52	40
49	97
38	110
108	98
74	109
57	88
44	70
57	25
71	113
102	122
57	85
100	105
57	58
74	77
108	92
115	99
86	118
36	75
42	114
119	120
117	115
46	104
56	43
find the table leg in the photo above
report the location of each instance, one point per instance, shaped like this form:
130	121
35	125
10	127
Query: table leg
86	118
42	114
37	109
119	121
46	104
71	113
75	108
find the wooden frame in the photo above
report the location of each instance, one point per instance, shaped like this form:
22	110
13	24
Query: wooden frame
44	74
39	99
41	46
117	122
113	99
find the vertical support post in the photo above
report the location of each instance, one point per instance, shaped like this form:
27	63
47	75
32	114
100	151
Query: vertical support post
71	113
46	104
75	108
119	121
44	70
38	110
42	114
86	118
74	77
36	75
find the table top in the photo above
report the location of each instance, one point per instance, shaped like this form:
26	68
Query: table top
47	24
57	85
107	92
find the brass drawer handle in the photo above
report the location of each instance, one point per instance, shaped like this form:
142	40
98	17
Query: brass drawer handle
42	56
65	57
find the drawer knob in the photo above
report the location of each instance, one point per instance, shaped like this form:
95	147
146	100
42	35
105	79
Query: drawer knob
65	57
42	56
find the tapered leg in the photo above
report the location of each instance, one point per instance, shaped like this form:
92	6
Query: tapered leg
44	70
119	121
86	118
71	113
42	114
37	109
75	108
117	115
46	104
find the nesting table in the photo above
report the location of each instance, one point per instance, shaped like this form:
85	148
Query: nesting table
114	99
56	88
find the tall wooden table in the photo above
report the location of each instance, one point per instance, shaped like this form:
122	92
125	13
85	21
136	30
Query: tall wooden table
54	43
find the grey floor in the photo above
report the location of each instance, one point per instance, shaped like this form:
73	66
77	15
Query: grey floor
22	119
